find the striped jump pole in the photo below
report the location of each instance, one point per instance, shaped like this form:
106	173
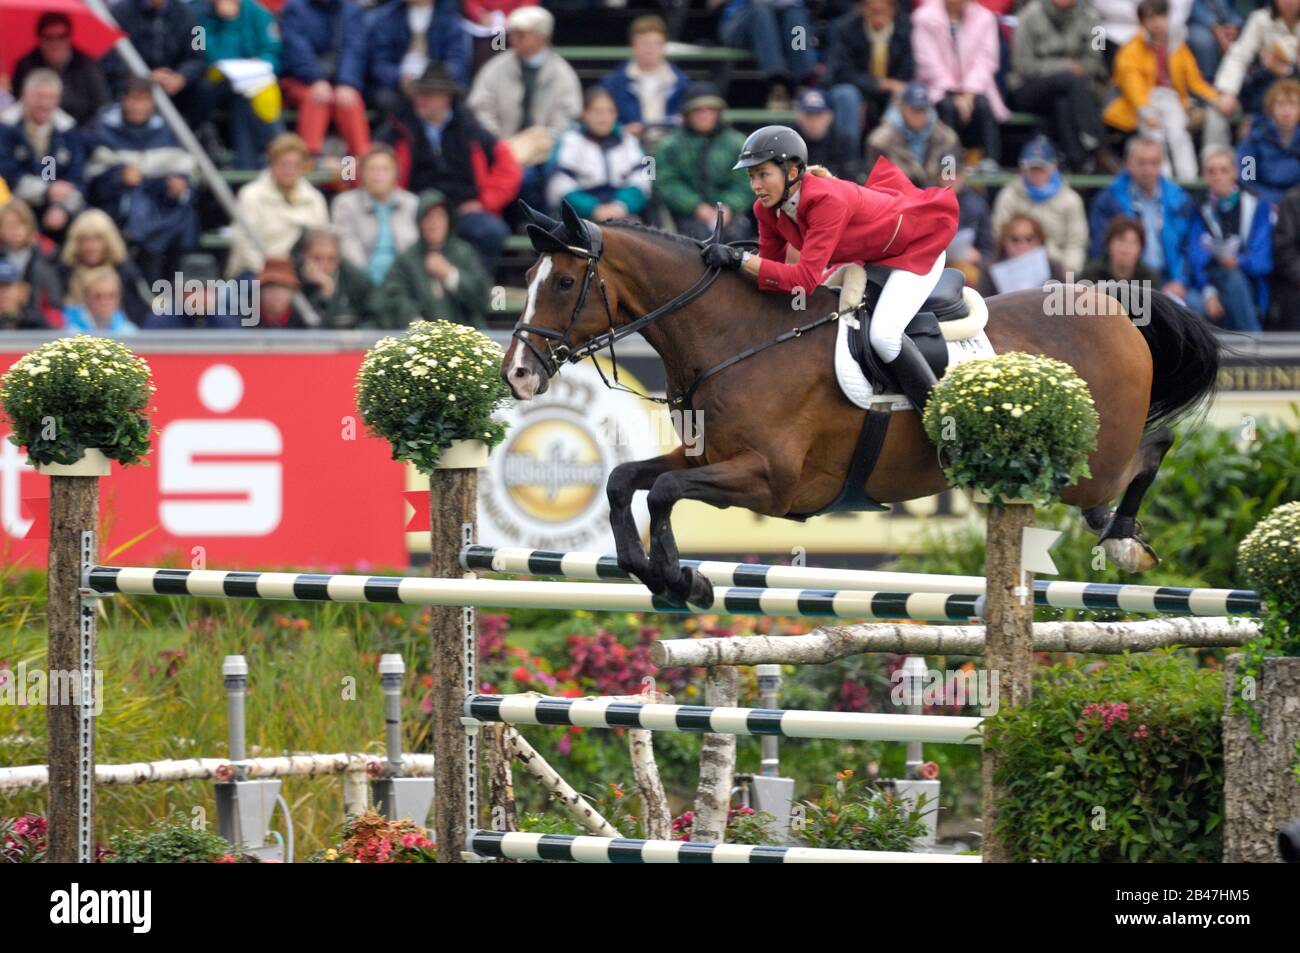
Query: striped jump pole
514	594
1061	595
626	850
833	725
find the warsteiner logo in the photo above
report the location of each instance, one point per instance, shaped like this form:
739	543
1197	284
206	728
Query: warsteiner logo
545	487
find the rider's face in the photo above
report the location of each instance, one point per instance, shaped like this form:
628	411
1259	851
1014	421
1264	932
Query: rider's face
766	181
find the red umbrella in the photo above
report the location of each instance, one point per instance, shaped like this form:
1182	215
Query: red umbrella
18	19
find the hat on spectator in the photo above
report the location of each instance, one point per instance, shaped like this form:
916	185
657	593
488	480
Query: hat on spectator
915	95
137	84
278	271
8	273
531	20
436	78
1038	152
812	101
702	95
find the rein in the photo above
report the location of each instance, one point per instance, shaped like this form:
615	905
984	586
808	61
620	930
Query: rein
563	352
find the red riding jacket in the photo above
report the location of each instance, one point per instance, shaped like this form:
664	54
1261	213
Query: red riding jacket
889	221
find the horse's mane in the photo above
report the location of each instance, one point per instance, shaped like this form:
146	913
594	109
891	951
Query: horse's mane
659	233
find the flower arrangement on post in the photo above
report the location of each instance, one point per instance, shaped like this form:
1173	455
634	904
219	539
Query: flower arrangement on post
1018	428
79	394
1269	558
436	384
431	393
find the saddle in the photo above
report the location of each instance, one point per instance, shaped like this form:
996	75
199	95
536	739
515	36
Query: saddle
947	315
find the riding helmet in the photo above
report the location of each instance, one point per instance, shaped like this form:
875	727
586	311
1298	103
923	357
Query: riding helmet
775	143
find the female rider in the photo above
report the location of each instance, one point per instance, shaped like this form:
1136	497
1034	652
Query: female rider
889	221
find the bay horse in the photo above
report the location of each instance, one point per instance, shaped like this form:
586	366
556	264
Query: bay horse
777	432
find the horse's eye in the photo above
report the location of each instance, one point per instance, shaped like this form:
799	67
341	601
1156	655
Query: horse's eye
565	282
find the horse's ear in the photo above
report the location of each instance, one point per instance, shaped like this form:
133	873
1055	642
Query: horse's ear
575	226
543	241
534	217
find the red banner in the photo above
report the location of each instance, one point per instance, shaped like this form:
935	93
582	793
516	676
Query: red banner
258	460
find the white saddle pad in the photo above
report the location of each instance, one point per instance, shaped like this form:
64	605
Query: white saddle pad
858	389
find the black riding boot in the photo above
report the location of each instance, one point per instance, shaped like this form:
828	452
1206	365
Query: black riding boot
913	374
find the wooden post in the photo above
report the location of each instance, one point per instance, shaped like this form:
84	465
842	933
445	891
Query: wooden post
453	508
1260	793
74	510
1009	642
503	813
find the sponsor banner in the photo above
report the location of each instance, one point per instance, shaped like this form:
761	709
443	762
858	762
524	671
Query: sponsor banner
258	460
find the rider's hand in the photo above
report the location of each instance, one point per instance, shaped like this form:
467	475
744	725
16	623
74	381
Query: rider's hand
721	256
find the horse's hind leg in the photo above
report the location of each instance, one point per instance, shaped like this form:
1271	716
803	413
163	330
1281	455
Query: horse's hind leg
1118	530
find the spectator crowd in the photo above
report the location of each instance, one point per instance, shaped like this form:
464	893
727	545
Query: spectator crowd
380	147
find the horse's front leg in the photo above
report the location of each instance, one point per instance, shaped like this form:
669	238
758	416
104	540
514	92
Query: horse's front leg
743	480
624	480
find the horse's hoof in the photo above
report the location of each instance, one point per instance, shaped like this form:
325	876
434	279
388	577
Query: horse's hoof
1130	554
698	588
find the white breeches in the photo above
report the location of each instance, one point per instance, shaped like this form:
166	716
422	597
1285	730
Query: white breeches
900	299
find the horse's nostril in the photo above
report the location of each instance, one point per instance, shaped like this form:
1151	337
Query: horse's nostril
521	372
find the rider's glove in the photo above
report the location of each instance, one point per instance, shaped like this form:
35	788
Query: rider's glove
717	255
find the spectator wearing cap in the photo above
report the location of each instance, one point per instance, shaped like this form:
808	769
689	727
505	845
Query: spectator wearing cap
1231	247
340	292
376	222
23	247
647	89
94	242
1165	211
869	63
405	36
693	169
276	207
42	155
972	248
1041	193
441	145
599	168
1212	27
828	145
769	30
277	283
85	91
162	32
17	310
1269	156
100	308
1058	71
240	30
955	45
142	177
439	277
913	137
528	95
324	70
1121	258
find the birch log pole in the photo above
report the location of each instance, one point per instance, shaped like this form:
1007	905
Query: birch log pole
74	509
453	500
1008	644
656	817
570	801
717	761
832	642
502	812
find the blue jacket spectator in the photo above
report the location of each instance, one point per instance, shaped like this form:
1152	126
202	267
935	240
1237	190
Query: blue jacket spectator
52	189
445	41
320	45
1165	211
162	31
1231	247
1269	157
648	90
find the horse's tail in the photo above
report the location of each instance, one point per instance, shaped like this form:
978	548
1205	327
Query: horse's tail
1185	360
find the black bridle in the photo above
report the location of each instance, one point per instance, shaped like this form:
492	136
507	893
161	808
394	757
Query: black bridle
557	354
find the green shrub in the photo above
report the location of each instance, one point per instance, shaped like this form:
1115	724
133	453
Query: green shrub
852	815
1119	761
75	393
172	840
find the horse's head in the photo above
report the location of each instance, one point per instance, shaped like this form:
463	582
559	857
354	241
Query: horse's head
568	301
